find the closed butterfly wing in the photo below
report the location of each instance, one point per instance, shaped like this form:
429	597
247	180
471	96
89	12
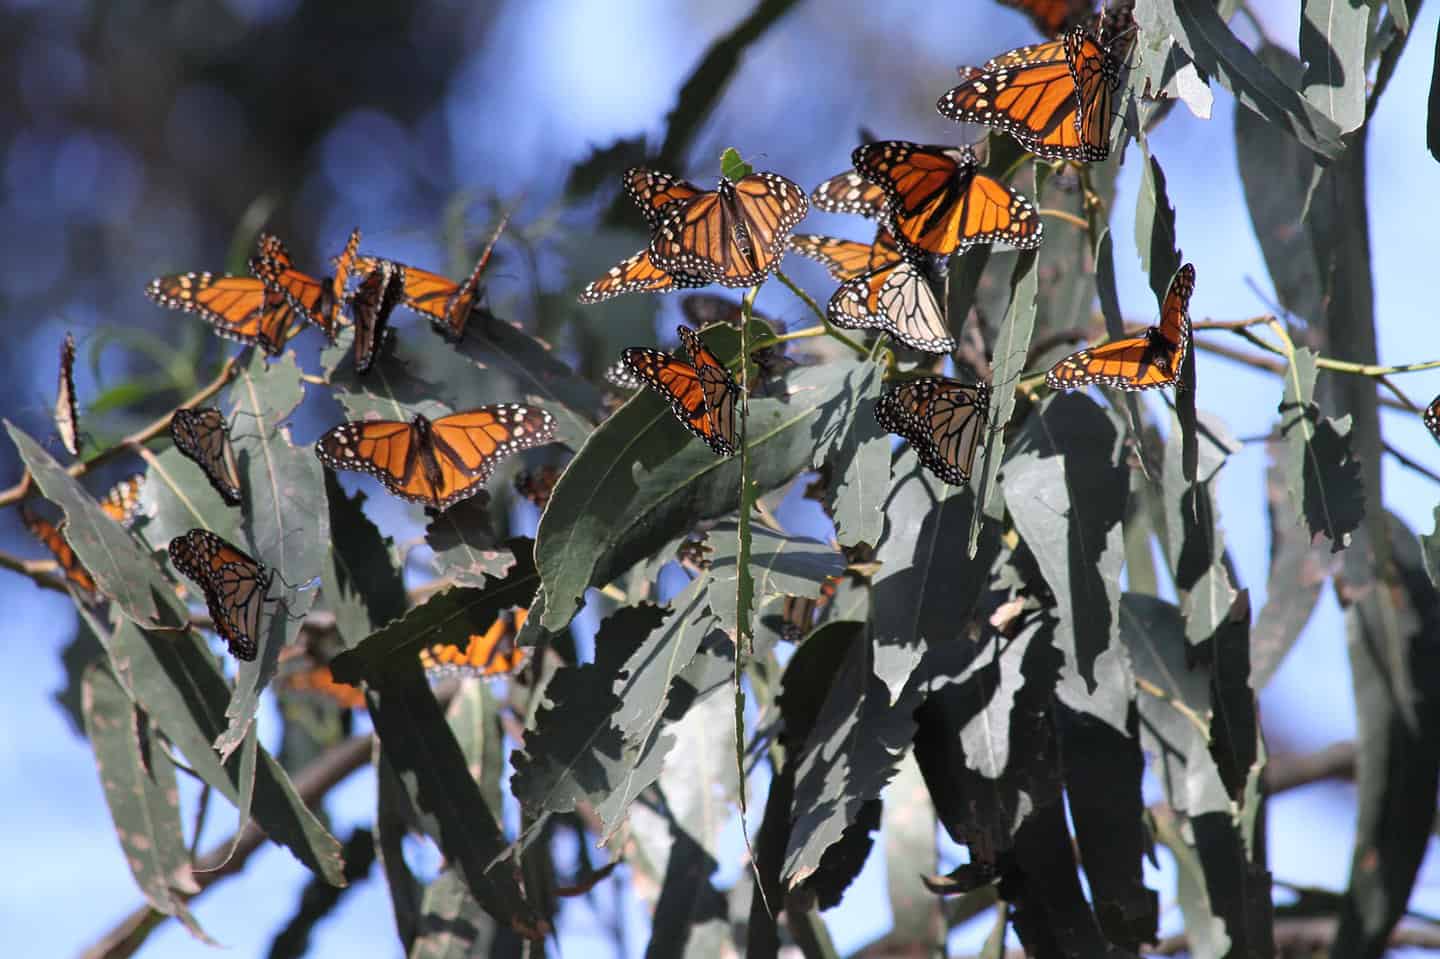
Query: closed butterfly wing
539	486
846	259
235	586
636	274
305	293
943	419
1151	360
239	308
67	414
370	306
49	534
721	391
1096	70
203	436
437	462
896	299
122	502
319	681
689	391
1432	418
849	192
939	204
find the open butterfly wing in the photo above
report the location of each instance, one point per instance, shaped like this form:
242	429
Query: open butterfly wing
303	292
652	191
636	274
239	308
389	450
845	259
203	436
849	192
1036	101
490	653
471	443
734	235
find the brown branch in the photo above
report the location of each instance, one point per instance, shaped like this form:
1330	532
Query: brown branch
1272	366
40	571
18	492
1310	935
1284	772
311	784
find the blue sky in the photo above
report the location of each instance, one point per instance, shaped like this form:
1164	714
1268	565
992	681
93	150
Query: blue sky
551	79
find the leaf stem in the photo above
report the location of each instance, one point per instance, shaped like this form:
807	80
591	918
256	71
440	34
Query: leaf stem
1065	216
830	328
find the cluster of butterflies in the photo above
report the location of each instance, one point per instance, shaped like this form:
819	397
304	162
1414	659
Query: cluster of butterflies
432	462
277	299
930	202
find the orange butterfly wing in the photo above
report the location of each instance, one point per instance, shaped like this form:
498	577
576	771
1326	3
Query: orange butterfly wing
734	235
473	442
938	203
239	308
636	274
49	534
320	681
846	259
1153	359
490	653
652	191
702	396
849	192
1036	101
943	419
203	436
1053	17
122	502
303	292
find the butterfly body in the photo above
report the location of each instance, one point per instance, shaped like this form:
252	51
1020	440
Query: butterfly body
234	583
1148	361
436	462
942	419
937	202
203	436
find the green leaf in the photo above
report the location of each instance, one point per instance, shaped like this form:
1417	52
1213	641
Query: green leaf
1012	347
641	480
926	591
857	452
178	498
176	681
1155	236
1430	551
1298	571
1056	920
453	925
1391	639
1193	531
779	565
421	750
1321	473
450	616
286	519
732	167
394	820
79	654
1332	41
1103	769
139	783
1277	193
466	546
362	584
1205	38
474	718
858	740
1066	487
123	570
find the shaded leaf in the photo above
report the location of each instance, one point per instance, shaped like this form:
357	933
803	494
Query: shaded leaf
452	925
1332	42
179	498
362	584
140	790
465	544
1066	488
1048	907
1155	236
909	830
779	566
1321	473
1193	531
857	451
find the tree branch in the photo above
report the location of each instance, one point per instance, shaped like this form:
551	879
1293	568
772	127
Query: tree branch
1285	772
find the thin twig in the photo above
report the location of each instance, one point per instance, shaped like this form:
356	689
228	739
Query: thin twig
1288	771
1065	216
18	492
830	328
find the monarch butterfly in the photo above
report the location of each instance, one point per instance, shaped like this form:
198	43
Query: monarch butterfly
240	308
1056	108
446	304
436	462
537	487
733	235
319	681
316	300
896	299
849	192
1432	418
371	305
49	534
943	420
799	614
203	435
485	654
1053	17
702	393
938	203
1143	362
67	416
122	502
846	259
235	586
